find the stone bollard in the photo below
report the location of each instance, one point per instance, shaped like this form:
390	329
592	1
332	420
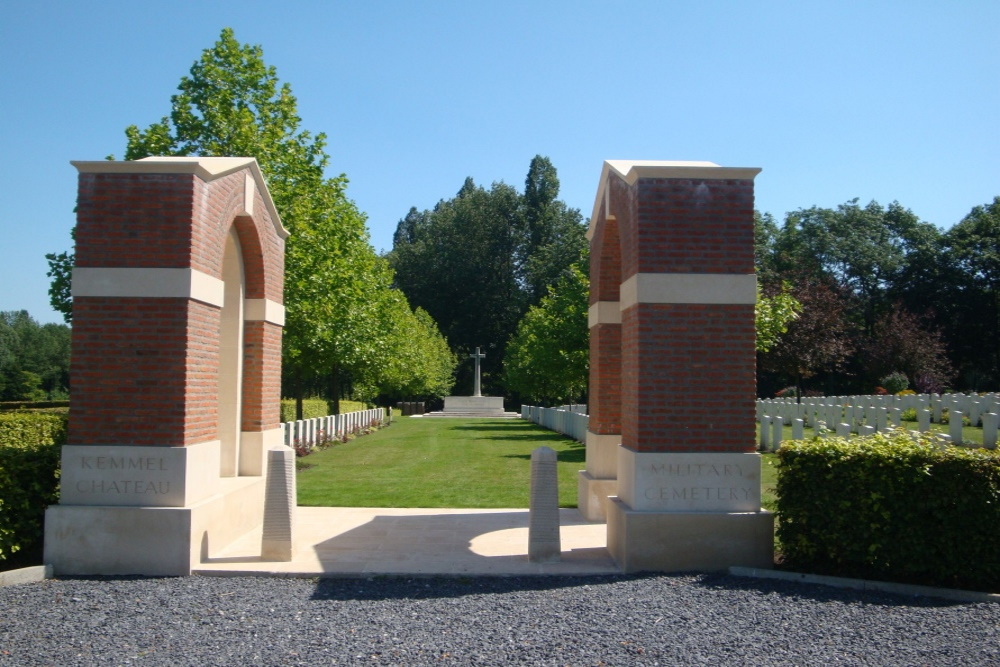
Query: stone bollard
990	430
279	506
543	515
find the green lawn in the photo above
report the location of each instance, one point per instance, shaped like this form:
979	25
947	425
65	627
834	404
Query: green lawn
438	462
426	462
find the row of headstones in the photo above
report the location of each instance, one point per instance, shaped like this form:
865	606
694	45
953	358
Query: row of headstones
851	409
869	414
561	420
310	431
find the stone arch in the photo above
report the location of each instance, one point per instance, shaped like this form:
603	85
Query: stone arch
673	368
177	360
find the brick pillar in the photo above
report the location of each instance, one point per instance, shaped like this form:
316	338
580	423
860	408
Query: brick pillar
604	428
688	477
176	369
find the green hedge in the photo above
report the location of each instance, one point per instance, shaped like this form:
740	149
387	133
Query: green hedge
311	408
30	446
893	507
316	407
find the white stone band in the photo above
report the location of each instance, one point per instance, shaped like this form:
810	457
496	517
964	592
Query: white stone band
264	310
693	288
604	312
150	282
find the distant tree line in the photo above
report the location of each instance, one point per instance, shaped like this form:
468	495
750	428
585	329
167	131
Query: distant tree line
849	295
883	292
34	358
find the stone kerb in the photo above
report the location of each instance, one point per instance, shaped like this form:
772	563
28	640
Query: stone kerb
178	312
686	384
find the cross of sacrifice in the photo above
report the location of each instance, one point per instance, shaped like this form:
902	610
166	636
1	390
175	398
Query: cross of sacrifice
477	356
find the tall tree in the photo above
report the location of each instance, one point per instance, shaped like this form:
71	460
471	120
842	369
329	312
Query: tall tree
819	340
232	103
476	262
972	251
865	250
548	357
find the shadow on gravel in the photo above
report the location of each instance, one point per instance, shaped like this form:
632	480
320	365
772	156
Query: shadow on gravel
424	588
820	593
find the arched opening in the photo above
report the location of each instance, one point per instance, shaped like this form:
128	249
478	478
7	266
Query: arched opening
231	357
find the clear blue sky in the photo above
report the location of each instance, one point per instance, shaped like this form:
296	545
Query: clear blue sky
833	100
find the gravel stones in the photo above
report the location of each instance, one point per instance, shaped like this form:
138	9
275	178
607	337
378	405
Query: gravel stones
612	620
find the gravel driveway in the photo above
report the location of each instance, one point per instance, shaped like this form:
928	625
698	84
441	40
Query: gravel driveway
608	620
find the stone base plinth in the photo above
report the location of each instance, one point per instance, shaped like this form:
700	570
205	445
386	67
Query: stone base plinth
592	496
154	541
485	405
688	541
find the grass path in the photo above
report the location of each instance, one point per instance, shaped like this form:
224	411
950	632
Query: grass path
475	463
427	462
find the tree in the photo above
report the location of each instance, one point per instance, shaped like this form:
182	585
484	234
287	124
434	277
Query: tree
818	340
548	358
476	262
555	234
865	250
773	314
34	358
232	103
972	251
903	342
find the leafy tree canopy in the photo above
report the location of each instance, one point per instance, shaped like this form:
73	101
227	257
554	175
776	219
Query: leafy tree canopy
476	262
232	104
548	358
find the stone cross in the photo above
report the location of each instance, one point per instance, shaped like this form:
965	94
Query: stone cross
477	386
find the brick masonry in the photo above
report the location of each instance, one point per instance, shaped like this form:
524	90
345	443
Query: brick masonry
674	377
145	370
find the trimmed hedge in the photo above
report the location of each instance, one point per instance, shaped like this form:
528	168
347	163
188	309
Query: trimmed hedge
311	408
316	407
896	506
30	446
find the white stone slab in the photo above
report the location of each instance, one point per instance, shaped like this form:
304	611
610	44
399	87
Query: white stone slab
473	403
139	476
689	482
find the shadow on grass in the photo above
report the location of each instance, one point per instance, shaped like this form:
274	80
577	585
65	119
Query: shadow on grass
513	430
576	453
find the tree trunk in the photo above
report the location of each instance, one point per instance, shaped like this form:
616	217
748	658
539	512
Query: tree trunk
335	388
298	395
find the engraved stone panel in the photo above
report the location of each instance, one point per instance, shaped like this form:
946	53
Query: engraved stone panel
689	482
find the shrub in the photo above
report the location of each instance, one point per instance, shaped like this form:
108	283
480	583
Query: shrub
908	415
895	506
895	382
311	408
30	446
